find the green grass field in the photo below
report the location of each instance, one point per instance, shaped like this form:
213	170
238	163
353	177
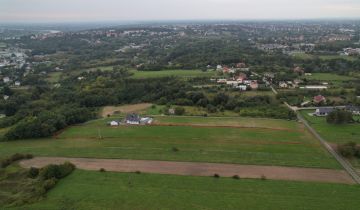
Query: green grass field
54	77
167	73
232	121
162	73
95	190
339	134
329	77
294	147
2	45
305	56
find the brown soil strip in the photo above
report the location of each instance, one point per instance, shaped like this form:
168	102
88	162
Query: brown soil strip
109	110
199	169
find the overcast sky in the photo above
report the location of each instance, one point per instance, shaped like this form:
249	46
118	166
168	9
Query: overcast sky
128	10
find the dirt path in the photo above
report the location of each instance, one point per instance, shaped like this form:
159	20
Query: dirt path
199	169
109	110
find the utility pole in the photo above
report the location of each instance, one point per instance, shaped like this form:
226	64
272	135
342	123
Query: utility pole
99	133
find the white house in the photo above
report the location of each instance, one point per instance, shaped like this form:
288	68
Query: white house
283	85
17	83
242	87
114	123
6	79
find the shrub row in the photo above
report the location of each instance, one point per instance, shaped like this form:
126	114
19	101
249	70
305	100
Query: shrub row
15	157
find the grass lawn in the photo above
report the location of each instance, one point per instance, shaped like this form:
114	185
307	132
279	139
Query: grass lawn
294	147
2	45
54	77
167	73
95	190
333	133
328	77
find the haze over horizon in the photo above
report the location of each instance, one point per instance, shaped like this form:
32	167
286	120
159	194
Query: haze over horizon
139	10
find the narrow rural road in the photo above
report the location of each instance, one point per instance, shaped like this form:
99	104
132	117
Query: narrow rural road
343	162
199	169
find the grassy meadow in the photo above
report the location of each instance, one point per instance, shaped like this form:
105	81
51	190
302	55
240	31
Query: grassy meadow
339	134
329	77
96	190
288	145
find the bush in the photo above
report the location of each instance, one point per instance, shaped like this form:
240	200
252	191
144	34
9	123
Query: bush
179	110
216	176
339	117
236	177
175	149
49	183
349	150
33	172
263	177
56	171
15	157
102	170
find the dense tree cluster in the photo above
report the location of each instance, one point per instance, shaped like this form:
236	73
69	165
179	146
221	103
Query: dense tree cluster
339	117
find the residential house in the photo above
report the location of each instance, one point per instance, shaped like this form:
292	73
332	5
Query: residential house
322	112
242	87
254	85
283	84
17	83
241	77
298	70
319	99
221	81
146	121
353	109
6	97
6	79
240	65
132	119
171	111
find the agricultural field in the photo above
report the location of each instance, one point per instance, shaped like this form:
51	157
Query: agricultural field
162	73
328	77
338	134
108	190
176	73
289	144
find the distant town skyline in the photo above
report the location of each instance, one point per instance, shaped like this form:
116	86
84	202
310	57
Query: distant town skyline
139	10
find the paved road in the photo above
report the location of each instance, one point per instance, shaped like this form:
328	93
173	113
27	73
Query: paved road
199	169
343	162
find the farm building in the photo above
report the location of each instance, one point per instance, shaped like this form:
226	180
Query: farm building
132	119
322	112
114	123
135	119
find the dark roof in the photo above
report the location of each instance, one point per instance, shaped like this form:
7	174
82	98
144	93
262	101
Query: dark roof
325	109
352	108
133	117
